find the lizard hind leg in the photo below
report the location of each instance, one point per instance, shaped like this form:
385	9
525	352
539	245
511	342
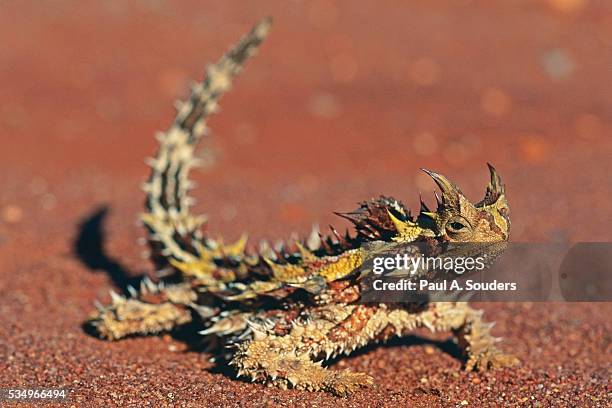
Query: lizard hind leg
151	310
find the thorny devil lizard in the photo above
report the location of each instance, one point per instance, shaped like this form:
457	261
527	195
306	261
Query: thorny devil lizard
279	312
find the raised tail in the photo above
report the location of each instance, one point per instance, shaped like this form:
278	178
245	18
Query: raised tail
175	235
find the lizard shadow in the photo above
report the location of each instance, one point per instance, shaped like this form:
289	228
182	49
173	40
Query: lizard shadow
89	248
447	346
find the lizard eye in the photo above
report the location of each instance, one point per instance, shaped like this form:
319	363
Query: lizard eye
456	225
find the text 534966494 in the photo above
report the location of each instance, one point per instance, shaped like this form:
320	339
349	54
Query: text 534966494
25	393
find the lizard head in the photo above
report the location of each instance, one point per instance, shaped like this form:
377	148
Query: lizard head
457	219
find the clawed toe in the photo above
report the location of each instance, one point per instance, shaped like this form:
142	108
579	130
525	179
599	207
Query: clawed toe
490	359
345	382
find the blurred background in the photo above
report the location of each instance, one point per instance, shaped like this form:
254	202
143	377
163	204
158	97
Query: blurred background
345	101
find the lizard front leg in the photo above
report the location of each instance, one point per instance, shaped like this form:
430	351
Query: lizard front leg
295	359
473	334
281	362
151	310
475	338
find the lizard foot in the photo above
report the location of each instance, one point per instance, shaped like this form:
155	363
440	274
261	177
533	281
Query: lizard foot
342	383
492	358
